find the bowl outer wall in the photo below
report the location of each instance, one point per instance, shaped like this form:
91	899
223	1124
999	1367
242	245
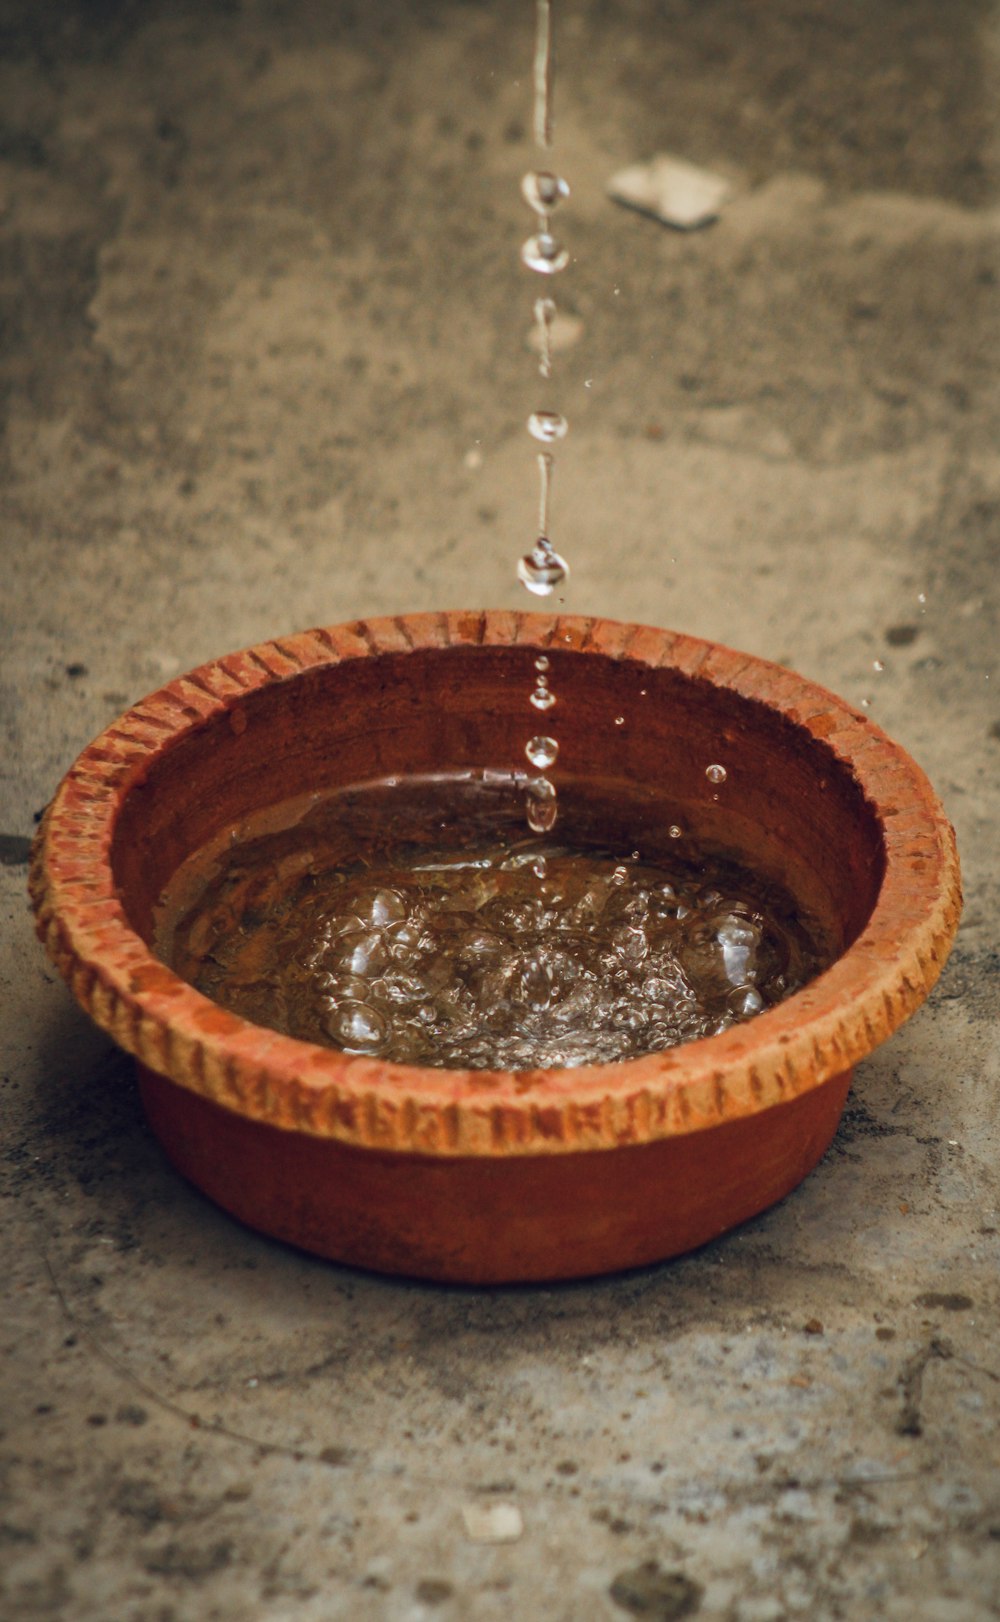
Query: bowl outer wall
511	1218
818	1034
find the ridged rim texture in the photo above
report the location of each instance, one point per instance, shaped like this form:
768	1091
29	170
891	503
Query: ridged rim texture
820	1032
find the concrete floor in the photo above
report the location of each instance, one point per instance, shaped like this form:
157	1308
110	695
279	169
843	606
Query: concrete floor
265	366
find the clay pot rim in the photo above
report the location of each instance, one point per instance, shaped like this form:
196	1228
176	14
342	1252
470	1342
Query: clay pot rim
818	1033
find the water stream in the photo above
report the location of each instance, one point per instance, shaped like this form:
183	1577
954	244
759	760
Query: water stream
542	569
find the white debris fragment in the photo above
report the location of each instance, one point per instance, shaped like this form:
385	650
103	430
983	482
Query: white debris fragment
492	1523
673	191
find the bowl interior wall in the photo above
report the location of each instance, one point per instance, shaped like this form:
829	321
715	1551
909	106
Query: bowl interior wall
788	805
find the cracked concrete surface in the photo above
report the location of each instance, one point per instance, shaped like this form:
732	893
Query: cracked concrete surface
265	366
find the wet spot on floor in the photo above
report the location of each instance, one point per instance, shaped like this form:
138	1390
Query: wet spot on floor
15	850
647	1590
947	1300
433	1591
190	1562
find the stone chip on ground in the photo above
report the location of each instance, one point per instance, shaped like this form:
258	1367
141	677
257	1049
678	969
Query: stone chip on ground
492	1523
672	190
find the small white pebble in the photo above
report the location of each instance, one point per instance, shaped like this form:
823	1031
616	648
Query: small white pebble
492	1523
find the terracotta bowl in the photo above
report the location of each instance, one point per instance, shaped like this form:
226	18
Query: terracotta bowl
484	1176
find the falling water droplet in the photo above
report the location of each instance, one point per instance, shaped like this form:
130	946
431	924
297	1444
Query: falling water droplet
542	807
619	720
715	774
878	664
543	191
543	698
542	569
548	426
541	751
543	253
545	314
541	663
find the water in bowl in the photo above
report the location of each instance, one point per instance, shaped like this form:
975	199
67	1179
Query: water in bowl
415	922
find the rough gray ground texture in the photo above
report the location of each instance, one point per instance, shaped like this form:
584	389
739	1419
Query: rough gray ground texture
262	301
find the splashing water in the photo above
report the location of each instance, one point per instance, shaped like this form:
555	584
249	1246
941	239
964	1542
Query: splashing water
488	950
541	805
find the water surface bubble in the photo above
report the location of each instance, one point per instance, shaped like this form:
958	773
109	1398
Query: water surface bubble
357	1027
533	982
361	952
665	985
630	942
543	191
342	924
397	986
511	915
478	946
380	907
403	940
547	426
630	1019
716	773
344	988
544	254
745	1001
675	831
541	751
